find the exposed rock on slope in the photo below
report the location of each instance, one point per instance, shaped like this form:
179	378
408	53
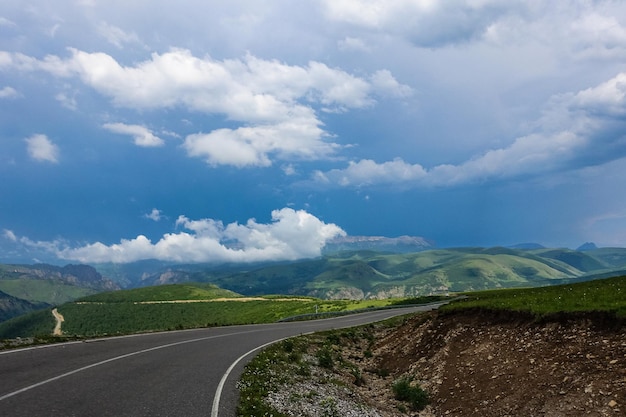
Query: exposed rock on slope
401	244
79	275
478	364
506	364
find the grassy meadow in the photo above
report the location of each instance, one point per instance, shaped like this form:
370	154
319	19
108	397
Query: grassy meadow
174	292
95	318
178	306
608	295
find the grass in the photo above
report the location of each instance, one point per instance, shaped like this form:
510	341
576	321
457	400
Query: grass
271	368
129	317
607	295
101	318
311	361
191	291
141	310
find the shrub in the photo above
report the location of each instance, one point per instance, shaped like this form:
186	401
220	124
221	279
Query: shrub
333	339
304	369
413	394
325	358
288	345
359	380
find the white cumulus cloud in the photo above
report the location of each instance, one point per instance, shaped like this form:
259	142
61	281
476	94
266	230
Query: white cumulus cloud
275	102
578	130
253	146
8	92
248	89
155	215
368	172
291	234
10	235
142	135
40	148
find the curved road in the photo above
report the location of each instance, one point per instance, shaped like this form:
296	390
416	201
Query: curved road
185	373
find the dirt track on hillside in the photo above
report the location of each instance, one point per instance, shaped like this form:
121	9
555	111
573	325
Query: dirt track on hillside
485	364
220	300
58	317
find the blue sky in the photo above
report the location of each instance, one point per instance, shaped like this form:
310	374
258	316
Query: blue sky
201	131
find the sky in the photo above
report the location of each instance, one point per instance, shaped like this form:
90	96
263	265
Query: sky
253	130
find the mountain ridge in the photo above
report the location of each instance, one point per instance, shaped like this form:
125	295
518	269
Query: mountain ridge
377	274
400	244
26	288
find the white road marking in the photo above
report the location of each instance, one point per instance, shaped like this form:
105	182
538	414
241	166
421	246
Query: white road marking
93	365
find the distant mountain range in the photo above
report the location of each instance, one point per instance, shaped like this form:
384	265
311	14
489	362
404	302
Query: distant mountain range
354	267
587	246
380	274
25	288
401	244
370	274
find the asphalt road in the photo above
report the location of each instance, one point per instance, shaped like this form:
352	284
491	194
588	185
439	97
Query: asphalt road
185	373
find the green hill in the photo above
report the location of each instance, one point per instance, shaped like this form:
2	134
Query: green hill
174	292
614	258
369	274
171	307
583	261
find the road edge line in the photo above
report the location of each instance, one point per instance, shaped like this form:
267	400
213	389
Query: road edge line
220	387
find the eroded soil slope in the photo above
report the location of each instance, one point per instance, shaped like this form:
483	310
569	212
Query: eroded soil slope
504	364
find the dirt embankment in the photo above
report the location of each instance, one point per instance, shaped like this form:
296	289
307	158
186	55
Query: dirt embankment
505	364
